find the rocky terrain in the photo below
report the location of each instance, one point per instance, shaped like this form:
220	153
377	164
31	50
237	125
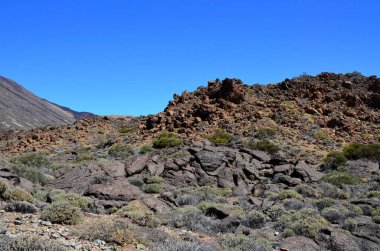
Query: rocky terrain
20	109
290	166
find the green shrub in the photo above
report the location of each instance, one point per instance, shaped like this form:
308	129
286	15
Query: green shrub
340	178
357	151
120	151
31	166
325	202
335	159
220	137
372	194
335	213
154	180
287	194
107	229
254	219
321	135
350	224
167	139
146	149
264	145
376	219
153	188
305	222
62	213
18	194
29	243
72	198
128	129
307	191
3	188
239	242
265	133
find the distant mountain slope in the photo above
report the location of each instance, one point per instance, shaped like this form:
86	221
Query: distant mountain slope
21	109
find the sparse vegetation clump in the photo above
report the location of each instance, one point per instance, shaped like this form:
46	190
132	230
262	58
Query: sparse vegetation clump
128	129
32	166
72	198
254	219
154	184
28	242
265	133
341	177
220	137
264	145
305	222
167	139
17	194
120	151
357	151
146	149
239	242
109	229
287	194
335	159
61	212
321	135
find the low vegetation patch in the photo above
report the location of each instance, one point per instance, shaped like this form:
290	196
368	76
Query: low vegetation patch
265	133
264	145
72	198
340	178
17	194
287	194
120	151
167	139
61	213
357	151
239	242
220	137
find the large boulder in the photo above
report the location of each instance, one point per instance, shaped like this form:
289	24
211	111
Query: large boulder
210	161
306	173
299	243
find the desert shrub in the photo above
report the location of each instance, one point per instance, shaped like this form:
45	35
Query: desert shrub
204	193
376	219
340	178
325	202
350	224
335	214
220	137
18	194
264	145
32	166
293	204
62	213
321	135
73	199
108	229
335	159
128	129
357	151
181	244
146	149
3	187
239	242
372	194
265	133
167	139
307	191
354	209
20	207
29	243
120	151
138	212
254	219
155	180
153	188
305	222
195	220
286	194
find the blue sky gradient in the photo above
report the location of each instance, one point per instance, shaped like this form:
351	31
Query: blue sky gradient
129	57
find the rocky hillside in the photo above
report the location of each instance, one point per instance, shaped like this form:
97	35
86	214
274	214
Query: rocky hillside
292	166
20	109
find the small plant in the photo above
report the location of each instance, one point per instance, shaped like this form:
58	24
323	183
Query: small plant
334	214
153	188
167	139
325	202
128	129
32	166
239	242
357	151
254	219
373	194
107	229
3	188
61	213
120	151
340	178
264	145
146	149
155	180
350	224
335	159
72	198
220	137
321	135
28	242
287	194
305	222
266	133
18	194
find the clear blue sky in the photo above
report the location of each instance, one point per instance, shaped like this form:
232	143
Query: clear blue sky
129	57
